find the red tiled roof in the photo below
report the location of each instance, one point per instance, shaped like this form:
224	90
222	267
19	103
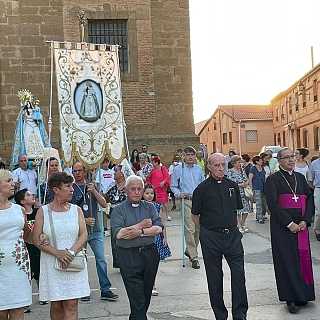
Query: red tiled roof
248	112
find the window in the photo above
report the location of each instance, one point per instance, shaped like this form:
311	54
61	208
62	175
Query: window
284	138
275	139
214	126
230	137
224	138
305	138
298	139
290	109
111	32
304	104
316	138
315	91
251	136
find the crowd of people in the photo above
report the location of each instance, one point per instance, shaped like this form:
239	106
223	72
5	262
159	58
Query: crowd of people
49	223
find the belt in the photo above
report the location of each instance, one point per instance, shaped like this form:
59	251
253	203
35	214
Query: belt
188	198
141	249
222	230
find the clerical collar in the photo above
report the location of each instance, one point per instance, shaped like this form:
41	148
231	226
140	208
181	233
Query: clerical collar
135	205
290	172
216	180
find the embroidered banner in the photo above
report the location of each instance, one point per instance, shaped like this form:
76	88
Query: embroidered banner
90	103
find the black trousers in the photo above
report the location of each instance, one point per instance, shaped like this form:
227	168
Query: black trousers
214	245
138	271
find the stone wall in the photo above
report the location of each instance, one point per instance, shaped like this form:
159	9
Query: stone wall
157	94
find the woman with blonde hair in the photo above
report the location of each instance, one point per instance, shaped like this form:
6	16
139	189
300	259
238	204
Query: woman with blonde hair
15	288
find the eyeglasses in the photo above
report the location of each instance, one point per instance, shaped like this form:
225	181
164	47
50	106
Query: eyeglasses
287	157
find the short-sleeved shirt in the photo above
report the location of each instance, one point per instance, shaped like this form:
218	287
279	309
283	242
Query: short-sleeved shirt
107	176
217	203
258	178
314	173
125	215
28	179
79	195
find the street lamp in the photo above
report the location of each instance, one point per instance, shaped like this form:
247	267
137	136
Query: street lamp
301	88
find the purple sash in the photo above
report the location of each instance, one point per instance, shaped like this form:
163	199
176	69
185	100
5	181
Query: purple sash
287	201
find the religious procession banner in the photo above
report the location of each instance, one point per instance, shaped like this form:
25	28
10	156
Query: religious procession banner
90	103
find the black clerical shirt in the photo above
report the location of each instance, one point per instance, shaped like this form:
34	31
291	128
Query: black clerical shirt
217	202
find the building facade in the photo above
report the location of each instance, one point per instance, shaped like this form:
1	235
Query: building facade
244	128
155	62
296	114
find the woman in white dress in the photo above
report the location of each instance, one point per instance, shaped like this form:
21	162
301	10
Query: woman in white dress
301	164
15	283
61	288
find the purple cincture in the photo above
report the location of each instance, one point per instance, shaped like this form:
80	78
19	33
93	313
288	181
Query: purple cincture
290	201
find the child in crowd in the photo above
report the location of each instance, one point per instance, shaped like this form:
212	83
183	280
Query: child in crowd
161	238
26	200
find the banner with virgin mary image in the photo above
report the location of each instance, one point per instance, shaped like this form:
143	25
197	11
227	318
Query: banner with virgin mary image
90	104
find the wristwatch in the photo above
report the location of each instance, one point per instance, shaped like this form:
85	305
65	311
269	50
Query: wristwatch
142	233
72	252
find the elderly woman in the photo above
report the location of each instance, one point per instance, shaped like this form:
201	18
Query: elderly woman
256	182
61	288
146	167
238	175
15	288
160	179
114	195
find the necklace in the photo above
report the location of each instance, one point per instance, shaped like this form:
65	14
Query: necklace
85	207
295	198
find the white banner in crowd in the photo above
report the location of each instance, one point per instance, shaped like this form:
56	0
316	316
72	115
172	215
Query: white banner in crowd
90	106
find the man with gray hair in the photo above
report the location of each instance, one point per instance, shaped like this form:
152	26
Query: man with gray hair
135	223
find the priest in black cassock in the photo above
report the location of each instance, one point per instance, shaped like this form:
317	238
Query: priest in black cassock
291	205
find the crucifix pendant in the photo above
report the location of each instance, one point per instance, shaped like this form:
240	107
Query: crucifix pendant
295	198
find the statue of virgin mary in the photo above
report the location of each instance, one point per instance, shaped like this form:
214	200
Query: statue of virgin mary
30	136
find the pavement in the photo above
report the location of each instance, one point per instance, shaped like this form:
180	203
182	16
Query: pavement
183	292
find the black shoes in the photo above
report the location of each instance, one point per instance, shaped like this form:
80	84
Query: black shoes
292	307
195	264
301	303
187	255
173	207
108	295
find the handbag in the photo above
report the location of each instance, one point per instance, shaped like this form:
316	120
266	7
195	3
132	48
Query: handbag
248	192
78	262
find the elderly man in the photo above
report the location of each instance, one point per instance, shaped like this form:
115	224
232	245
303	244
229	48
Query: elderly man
86	196
214	210
24	177
200	161
185	178
291	205
135	224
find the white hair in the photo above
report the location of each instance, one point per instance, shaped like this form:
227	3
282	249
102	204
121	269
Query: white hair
133	178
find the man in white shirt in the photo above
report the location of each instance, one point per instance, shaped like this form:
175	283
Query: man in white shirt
106	175
24	177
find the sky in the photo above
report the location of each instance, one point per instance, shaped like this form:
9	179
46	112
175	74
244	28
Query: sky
248	51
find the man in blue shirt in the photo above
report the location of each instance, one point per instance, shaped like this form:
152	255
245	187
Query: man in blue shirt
87	197
314	183
183	189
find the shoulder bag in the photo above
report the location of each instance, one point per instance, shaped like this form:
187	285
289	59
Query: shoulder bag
78	262
247	190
